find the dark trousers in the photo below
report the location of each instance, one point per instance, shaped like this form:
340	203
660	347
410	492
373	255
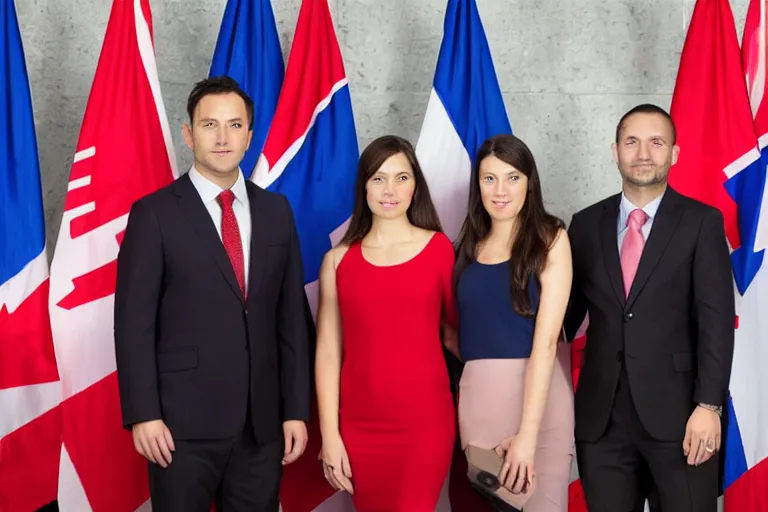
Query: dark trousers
618	471
237	474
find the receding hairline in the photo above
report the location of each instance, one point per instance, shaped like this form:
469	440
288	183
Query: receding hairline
670	136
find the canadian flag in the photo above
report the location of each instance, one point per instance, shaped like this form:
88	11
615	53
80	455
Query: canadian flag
124	152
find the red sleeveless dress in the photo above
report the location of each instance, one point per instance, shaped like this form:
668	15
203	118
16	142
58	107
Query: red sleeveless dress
396	412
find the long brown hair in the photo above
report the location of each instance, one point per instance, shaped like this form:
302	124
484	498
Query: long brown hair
536	229
421	212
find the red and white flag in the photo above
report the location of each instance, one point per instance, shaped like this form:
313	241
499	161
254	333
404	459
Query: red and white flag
123	153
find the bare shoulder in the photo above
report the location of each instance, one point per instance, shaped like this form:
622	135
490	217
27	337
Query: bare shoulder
333	257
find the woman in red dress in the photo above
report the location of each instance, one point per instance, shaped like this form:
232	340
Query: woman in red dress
384	398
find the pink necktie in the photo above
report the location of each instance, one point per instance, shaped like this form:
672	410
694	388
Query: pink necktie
230	235
632	247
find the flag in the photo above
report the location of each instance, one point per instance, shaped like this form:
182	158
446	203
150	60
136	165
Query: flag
30	423
746	455
248	51
124	152
465	108
310	156
720	164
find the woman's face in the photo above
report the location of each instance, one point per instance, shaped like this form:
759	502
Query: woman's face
503	189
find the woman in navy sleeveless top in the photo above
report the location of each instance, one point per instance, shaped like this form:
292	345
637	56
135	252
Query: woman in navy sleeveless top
513	279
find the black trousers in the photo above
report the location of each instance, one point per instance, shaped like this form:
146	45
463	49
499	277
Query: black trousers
237	474
619	470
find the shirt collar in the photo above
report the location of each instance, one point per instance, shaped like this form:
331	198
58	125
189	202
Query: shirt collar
626	208
209	191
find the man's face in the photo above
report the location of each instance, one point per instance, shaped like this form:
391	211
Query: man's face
219	135
645	150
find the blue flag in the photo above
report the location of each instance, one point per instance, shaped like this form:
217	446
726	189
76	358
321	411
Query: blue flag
22	226
248	51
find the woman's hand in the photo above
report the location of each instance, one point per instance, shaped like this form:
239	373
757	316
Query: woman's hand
336	466
517	472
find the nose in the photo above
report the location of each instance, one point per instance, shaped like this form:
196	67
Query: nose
644	152
498	188
388	187
221	136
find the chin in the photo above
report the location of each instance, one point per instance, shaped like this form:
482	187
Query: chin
388	214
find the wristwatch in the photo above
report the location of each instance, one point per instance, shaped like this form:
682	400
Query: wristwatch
715	408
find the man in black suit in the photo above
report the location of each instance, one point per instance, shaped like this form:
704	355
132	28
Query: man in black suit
210	323
652	270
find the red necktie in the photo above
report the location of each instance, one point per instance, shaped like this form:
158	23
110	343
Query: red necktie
632	247
230	236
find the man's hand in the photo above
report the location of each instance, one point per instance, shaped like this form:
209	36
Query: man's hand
295	432
702	436
153	440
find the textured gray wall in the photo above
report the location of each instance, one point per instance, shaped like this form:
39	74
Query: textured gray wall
568	71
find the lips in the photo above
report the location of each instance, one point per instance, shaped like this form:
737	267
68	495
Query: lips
500	204
388	204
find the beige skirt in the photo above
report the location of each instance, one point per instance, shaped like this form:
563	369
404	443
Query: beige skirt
491	395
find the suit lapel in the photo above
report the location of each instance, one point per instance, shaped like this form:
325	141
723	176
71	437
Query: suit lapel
258	241
609	241
664	226
197	215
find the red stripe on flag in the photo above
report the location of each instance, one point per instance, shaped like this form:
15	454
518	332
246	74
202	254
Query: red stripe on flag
113	475
315	56
748	493
29	463
26	346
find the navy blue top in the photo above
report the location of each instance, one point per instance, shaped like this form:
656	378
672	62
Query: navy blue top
489	327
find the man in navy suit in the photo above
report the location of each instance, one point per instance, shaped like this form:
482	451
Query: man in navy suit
211	338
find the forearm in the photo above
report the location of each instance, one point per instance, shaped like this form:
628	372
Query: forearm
137	297
538	377
714	311
327	382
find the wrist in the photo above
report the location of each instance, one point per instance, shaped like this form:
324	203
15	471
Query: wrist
717	409
528	432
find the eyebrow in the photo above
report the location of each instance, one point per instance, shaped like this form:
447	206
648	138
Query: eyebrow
206	119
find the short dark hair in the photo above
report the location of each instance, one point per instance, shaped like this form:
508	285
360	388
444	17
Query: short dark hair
218	85
421	212
647	108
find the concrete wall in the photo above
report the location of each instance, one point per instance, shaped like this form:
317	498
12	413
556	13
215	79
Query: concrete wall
568	71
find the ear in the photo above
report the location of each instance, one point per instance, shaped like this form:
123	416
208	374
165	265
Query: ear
186	131
615	151
675	154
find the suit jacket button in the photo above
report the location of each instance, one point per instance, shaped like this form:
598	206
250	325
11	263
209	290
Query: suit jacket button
629	316
246	312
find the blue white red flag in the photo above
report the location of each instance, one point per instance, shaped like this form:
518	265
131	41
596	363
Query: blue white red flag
720	164
248	50
465	108
123	153
30	421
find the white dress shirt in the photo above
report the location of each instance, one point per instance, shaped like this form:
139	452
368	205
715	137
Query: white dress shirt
209	192
626	208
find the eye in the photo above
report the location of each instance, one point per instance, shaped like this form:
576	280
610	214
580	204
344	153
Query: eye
487	179
514	178
237	125
404	177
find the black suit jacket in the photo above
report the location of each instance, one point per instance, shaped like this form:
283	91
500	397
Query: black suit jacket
675	331
190	350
